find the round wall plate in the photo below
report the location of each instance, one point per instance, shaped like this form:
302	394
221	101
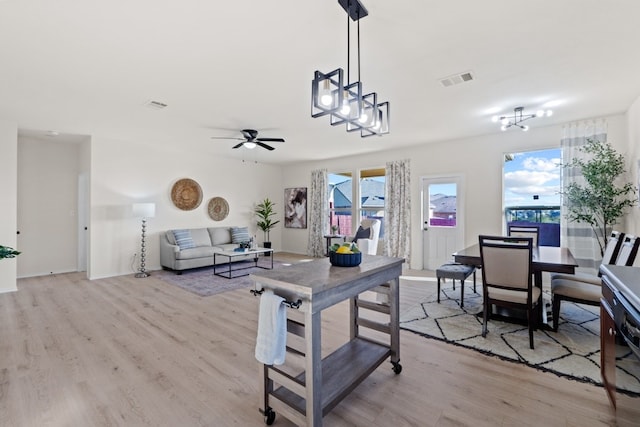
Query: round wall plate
186	194
218	208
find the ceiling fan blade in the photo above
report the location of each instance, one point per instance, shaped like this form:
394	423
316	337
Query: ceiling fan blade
227	137
238	145
268	147
270	139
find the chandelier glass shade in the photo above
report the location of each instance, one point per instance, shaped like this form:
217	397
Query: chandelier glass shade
342	100
518	117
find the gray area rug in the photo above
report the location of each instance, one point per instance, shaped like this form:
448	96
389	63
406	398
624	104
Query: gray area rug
202	281
572	352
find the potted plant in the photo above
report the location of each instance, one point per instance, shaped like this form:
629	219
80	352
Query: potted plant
7	252
602	200
264	211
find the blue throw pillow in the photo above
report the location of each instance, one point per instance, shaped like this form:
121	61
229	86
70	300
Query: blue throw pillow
183	239
362	233
239	234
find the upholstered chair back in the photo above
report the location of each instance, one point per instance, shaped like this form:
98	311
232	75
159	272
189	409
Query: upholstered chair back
370	246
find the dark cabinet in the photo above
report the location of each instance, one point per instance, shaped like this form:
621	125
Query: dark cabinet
619	321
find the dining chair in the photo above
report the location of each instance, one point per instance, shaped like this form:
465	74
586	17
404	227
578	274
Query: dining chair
532	231
611	251
628	251
507	278
586	289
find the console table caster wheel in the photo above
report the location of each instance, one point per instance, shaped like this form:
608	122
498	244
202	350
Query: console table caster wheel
397	367
269	417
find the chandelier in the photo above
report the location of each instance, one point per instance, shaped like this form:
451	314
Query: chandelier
518	117
343	101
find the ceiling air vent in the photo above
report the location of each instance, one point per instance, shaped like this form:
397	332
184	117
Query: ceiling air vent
457	79
156	105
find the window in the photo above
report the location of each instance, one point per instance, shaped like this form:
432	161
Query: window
532	192
369	192
443	204
340	194
372	183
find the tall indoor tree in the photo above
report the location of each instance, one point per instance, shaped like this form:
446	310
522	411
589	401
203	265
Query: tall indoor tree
603	198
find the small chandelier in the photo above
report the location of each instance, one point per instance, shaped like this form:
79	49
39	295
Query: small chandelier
518	117
344	102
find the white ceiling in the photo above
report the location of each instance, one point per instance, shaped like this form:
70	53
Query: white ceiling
87	67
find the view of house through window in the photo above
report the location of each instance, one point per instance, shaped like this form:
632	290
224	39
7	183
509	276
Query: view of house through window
532	192
442	204
369	192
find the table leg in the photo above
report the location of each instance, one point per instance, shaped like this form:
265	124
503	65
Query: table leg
537	281
353	318
313	368
394	316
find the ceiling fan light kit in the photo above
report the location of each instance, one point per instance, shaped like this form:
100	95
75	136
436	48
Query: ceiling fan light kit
518	117
345	103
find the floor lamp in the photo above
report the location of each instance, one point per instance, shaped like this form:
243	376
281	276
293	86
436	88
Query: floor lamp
144	211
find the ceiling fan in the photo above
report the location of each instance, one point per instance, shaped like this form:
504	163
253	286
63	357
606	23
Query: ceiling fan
251	139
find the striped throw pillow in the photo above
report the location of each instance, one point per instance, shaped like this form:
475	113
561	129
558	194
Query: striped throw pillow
183	239
239	234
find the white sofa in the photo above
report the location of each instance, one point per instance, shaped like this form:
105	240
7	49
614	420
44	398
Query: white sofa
207	241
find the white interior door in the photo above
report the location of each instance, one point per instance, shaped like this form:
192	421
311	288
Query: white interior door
443	220
83	221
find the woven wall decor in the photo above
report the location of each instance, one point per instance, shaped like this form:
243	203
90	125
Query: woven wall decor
186	194
218	208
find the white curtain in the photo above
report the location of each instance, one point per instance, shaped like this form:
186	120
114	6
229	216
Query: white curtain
397	211
318	213
579	237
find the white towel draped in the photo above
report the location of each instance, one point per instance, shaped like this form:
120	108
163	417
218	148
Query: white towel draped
271	341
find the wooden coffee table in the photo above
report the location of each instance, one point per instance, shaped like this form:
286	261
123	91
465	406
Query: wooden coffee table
227	273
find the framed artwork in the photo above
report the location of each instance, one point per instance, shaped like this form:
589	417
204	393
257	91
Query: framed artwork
295	207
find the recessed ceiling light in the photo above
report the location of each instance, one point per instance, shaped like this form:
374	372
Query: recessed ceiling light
52	133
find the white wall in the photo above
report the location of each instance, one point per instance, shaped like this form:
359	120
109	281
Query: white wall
633	159
47	206
122	173
477	159
8	213
126	172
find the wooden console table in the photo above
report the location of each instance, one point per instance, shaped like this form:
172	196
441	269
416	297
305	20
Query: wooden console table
305	398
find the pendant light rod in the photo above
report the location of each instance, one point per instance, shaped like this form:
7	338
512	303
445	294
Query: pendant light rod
348	51
359	79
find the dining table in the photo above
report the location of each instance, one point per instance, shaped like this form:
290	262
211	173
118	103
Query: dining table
550	259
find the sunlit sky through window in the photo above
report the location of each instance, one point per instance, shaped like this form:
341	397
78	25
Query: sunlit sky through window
534	173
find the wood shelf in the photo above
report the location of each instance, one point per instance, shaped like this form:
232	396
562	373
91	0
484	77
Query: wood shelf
342	371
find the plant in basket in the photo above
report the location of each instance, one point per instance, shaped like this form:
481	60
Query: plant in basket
345	255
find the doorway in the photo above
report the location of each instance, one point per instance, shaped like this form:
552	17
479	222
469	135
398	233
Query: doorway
442	219
52	203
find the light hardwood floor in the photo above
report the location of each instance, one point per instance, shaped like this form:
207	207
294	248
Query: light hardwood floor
140	352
